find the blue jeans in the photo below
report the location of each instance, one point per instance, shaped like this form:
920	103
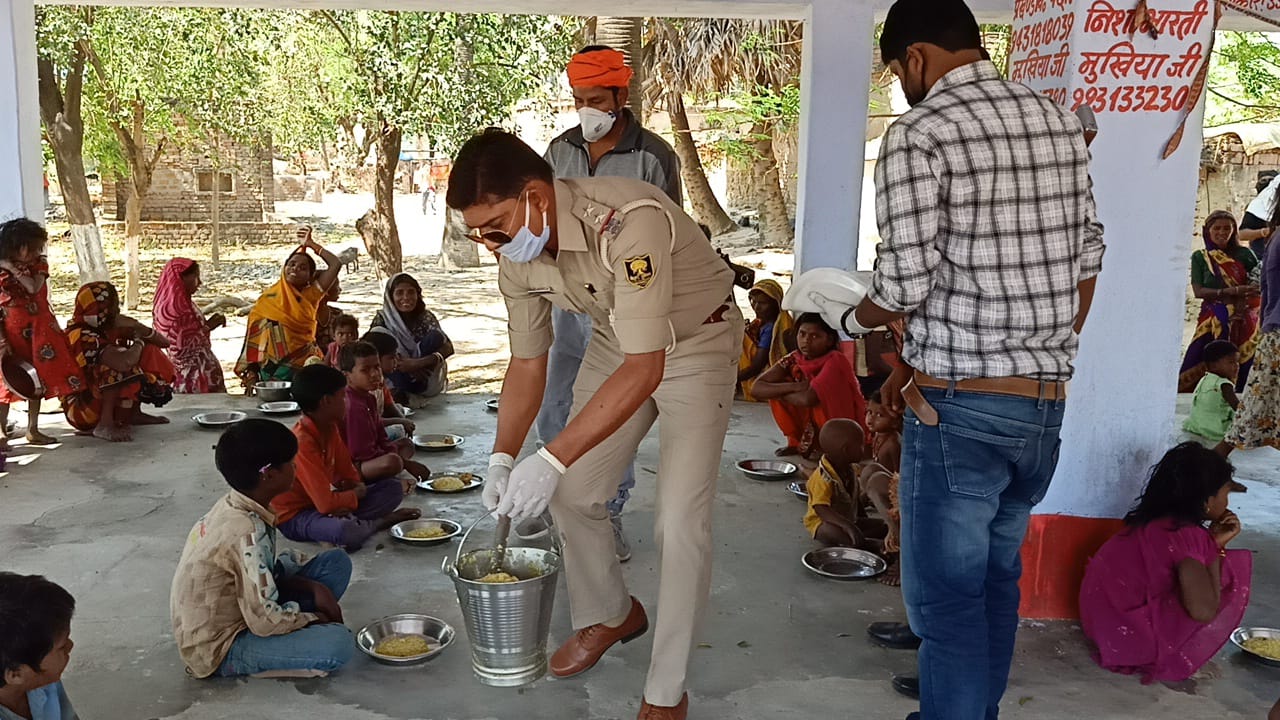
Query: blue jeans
966	493
572	332
318	647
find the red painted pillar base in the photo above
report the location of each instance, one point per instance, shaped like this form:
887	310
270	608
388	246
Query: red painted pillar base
1054	556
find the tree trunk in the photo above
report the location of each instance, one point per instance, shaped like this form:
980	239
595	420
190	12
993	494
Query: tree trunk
132	238
772	204
706	207
64	129
378	226
623	34
457	251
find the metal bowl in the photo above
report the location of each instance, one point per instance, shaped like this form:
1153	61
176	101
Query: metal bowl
798	490
840	563
284	407
274	390
1247	633
21	377
219	420
429	483
400	531
438	443
491	405
436	631
767	469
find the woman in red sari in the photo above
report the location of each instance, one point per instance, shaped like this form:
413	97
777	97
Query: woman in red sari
123	362
31	333
1222	276
810	386
177	318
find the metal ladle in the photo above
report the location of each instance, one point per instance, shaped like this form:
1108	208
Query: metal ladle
500	544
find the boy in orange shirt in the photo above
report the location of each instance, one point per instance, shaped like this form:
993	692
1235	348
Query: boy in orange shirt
328	502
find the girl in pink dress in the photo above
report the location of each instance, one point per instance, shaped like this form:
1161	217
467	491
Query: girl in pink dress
1162	597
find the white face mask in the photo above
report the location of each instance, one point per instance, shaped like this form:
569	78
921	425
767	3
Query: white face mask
526	246
595	123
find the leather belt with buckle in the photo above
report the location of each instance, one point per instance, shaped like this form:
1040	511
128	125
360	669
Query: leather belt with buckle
1023	387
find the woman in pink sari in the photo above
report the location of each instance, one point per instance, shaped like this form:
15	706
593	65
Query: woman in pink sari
1162	597
176	316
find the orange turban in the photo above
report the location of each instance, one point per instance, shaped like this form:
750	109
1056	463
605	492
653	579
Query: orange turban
599	68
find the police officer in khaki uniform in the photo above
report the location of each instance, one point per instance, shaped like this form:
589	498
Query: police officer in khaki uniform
666	334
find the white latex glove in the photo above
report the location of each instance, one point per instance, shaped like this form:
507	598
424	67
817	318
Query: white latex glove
495	481
830	293
532	484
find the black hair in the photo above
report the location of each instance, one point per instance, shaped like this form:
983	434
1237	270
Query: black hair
1179	485
248	447
816	319
311	262
493	166
875	397
948	24
1218	349
593	48
33	613
21	234
195	268
314	383
350	354
349	321
385	343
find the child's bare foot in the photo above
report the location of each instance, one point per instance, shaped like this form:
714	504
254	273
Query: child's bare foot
113	434
788	450
892	576
35	437
399	516
141	418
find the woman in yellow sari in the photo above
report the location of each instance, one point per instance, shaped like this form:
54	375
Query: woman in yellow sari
282	325
769	337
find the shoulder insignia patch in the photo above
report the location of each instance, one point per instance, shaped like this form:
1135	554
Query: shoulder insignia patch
639	270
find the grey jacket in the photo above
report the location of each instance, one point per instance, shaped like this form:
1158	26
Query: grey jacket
640	154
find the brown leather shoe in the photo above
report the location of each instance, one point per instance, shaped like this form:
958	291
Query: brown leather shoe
588	645
660	712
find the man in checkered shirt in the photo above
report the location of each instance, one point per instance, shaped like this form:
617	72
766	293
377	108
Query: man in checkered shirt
990	250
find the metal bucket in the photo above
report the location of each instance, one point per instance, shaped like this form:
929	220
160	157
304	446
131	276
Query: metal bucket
508	623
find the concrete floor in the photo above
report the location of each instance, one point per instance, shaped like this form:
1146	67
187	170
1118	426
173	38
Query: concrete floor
108	522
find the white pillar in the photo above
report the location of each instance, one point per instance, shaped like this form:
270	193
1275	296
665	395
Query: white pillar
835	84
21	189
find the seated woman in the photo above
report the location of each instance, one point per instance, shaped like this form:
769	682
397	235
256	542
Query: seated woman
1222	276
1162	596
810	386
424	347
124	366
281	337
177	318
768	338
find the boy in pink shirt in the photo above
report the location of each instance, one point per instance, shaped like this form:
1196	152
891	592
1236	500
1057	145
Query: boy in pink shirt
375	455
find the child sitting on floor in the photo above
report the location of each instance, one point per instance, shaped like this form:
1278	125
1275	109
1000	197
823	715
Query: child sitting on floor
35	646
396	424
345	331
835	517
328	502
237	607
810	386
376	456
878	479
1215	402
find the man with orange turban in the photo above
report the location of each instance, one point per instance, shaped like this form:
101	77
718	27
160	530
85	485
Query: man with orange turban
608	141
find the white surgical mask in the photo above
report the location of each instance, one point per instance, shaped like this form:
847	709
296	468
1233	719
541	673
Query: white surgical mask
595	123
526	246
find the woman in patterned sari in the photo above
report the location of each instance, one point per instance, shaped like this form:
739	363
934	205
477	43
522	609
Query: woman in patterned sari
281	337
124	365
177	318
769	337
1222	276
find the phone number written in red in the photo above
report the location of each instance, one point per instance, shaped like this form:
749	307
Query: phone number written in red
1126	98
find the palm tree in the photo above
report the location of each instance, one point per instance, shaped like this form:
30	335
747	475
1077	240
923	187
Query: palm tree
623	34
707	56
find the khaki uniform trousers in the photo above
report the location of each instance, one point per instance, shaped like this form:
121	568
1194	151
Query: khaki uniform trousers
691	406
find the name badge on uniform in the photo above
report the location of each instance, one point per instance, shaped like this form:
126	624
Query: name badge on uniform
541	291
639	271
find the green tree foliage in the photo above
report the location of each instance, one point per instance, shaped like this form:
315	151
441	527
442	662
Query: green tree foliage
1244	79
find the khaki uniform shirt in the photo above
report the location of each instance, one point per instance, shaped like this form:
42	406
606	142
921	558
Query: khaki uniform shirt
627	256
226	584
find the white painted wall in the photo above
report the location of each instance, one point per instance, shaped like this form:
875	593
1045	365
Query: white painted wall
21	187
